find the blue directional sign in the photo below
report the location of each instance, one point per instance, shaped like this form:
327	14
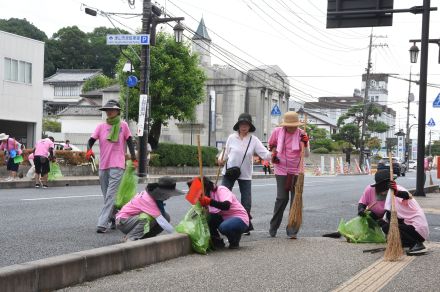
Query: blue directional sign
431	123
132	81
275	111
436	102
128	39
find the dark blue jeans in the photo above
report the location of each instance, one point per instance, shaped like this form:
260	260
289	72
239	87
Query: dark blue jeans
245	191
232	227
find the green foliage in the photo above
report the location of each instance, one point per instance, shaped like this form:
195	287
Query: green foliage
177	83
98	82
322	143
321	150
355	116
182	155
316	133
22	27
435	148
51	125
377	127
373	143
349	133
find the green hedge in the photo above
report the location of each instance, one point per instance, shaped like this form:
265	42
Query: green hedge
320	150
182	155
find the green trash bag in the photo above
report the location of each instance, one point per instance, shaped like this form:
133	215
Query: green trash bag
128	186
18	159
195	224
148	219
54	172
362	230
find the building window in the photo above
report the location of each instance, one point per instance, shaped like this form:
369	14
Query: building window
19	71
66	90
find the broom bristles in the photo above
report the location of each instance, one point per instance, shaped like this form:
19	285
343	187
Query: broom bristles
394	248
295	214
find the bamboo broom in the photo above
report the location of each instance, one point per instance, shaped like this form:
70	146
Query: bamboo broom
199	149
220	166
394	249
295	214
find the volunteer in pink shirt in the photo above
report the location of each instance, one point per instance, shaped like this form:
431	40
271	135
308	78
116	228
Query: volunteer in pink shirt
112	136
43	152
226	214
413	225
286	143
11	149
148	207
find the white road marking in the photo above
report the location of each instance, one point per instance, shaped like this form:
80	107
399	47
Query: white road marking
54	198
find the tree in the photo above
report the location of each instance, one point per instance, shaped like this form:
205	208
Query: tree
98	82
177	83
355	116
349	133
374	143
22	27
51	125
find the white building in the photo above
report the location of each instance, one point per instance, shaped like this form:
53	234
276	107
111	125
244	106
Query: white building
21	89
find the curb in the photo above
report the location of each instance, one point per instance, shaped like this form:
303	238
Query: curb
75	268
428	189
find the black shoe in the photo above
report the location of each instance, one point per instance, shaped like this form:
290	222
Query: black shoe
101	229
233	245
418	248
37	186
332	235
113	224
218	243
247	233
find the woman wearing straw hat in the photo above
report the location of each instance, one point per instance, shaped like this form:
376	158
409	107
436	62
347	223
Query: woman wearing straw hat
112	136
239	151
11	149
286	142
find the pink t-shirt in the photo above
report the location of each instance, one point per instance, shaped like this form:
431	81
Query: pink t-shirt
369	199
42	147
411	213
112	154
236	210
141	203
9	145
289	159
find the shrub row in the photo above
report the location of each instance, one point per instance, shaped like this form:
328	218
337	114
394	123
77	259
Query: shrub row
182	155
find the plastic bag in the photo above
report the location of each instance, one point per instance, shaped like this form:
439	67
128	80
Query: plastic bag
18	159
31	172
362	230
54	172
128	186
195	224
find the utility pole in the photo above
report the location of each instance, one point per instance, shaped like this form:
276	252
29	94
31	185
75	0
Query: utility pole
429	144
407	122
364	111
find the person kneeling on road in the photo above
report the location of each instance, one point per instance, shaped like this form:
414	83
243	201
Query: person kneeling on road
144	216
226	214
413	225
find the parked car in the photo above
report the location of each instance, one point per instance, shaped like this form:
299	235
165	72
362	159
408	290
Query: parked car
60	146
399	168
412	164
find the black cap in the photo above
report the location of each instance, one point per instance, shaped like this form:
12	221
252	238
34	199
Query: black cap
111	105
164	188
381	176
244	117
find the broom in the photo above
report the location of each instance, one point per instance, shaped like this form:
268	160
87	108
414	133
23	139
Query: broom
295	214
394	248
199	149
219	166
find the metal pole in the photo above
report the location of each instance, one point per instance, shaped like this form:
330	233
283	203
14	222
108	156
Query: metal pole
422	99
407	123
144	85
364	111
210	121
429	144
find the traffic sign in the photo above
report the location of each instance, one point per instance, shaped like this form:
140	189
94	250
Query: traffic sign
436	102
132	81
128	39
275	111
431	123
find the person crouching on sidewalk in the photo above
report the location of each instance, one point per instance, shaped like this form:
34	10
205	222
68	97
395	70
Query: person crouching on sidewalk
226	214
144	216
413	225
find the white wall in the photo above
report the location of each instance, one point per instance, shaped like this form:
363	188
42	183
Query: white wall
79	124
20	101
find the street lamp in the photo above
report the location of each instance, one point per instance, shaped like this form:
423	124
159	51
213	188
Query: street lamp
178	32
414	53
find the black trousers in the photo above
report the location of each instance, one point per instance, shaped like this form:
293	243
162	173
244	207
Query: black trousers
408	234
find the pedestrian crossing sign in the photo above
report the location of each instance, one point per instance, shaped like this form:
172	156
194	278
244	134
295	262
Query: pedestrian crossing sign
436	102
431	123
275	111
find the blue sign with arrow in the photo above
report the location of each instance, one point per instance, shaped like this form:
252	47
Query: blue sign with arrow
436	102
275	111
132	81
431	123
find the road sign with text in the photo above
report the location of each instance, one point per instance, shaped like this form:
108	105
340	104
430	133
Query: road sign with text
128	39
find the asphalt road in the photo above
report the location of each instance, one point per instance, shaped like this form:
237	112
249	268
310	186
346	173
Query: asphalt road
37	223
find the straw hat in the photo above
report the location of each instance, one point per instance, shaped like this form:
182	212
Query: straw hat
291	119
3	136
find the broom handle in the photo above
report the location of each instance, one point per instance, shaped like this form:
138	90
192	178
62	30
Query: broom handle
199	149
391	179
219	166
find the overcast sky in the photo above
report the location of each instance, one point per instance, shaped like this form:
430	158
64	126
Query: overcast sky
287	33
